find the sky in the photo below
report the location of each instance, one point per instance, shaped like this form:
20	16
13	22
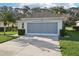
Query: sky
9	4
32	5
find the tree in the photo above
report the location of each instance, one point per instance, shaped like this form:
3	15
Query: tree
25	10
73	16
36	9
6	17
10	17
58	10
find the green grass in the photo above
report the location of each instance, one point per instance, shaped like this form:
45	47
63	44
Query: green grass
6	38
9	32
70	45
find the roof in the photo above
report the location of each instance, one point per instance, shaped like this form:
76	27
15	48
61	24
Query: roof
42	15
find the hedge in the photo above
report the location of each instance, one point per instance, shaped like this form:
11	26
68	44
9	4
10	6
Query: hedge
76	28
21	31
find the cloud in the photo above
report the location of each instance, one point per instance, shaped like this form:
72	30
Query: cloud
32	5
66	5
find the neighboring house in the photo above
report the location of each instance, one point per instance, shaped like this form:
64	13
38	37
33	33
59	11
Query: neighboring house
42	23
10	25
77	23
2	26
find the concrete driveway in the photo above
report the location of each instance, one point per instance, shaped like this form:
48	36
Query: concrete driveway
31	46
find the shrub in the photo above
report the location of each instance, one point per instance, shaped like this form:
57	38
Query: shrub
62	32
76	28
1	29
21	31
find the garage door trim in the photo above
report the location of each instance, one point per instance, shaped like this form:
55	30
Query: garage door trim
43	33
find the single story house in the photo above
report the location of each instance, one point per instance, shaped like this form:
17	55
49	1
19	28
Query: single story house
41	23
77	23
8	25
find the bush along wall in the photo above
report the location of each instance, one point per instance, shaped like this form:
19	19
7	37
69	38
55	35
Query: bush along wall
62	33
21	31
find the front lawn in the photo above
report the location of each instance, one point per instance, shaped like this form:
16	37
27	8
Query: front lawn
6	38
9	32
70	45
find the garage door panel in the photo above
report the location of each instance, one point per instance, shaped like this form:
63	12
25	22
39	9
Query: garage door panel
33	28
43	28
50	28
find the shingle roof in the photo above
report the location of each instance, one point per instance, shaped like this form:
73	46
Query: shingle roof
42	14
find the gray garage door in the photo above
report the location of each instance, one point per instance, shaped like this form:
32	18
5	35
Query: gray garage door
42	28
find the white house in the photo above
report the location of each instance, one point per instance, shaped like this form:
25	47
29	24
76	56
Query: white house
44	23
77	23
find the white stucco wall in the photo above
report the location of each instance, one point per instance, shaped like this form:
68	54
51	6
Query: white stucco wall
38	20
77	23
1	24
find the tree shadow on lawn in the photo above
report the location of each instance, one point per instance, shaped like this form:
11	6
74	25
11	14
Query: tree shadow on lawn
71	35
